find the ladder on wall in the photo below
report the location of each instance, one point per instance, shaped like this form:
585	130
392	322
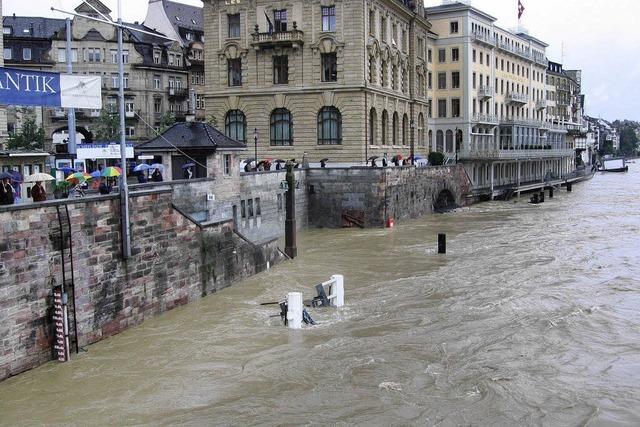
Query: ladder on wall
61	309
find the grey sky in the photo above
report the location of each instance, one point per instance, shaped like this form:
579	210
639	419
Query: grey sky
599	37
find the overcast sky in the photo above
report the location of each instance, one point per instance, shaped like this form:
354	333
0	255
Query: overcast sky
599	37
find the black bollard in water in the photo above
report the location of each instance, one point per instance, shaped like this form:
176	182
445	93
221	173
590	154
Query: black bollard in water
569	188
535	199
551	192
542	196
442	243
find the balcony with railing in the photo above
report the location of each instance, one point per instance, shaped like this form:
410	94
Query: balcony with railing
515	154
481	37
485	92
489	119
177	92
541	104
518	121
516	98
293	38
507	47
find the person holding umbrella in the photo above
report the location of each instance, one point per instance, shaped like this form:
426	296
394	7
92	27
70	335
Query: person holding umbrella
6	190
38	192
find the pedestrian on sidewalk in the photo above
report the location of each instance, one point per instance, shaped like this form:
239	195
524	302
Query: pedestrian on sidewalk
38	193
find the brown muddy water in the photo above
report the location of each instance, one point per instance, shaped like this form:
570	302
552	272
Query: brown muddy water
532	318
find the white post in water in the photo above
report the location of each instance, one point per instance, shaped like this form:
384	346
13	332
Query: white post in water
337	290
294	310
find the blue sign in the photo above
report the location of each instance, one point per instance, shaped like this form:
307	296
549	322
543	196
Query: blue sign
26	87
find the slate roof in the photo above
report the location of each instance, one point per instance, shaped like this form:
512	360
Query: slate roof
42	27
184	15
192	136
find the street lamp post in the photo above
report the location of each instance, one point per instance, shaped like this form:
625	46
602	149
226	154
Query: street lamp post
255	145
456	145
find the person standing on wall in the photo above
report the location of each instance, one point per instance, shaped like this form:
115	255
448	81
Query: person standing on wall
38	193
6	192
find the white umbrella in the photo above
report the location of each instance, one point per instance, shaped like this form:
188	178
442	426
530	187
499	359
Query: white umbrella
39	177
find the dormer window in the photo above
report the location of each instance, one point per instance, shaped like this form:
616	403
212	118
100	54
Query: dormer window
6	30
189	36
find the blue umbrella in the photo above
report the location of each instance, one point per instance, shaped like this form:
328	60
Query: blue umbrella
142	167
6	175
16	176
188	165
67	171
157	166
418	158
96	174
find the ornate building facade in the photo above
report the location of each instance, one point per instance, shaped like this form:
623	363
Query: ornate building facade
329	78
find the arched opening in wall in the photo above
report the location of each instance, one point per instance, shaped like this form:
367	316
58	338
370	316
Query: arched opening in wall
405	130
449	141
421	130
440	141
60	138
430	141
445	201
373	126
458	140
385	127
395	128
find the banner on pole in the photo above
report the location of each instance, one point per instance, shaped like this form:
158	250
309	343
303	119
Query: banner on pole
26	87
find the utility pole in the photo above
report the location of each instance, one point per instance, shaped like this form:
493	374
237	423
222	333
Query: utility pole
71	112
124	188
290	247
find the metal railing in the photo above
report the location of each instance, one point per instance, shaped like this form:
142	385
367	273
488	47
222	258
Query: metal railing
485	118
517	97
484	38
514	154
485	92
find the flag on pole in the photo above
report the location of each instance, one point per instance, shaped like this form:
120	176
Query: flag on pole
520	9
269	21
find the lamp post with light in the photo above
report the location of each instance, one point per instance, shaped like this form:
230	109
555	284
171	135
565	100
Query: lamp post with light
255	145
412	125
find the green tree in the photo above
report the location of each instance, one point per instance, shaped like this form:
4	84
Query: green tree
107	127
628	141
166	121
30	136
436	158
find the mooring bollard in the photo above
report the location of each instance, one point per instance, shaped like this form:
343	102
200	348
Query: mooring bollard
294	310
569	189
551	192
542	196
337	290
442	243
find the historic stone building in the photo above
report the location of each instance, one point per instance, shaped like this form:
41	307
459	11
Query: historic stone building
338	79
490	101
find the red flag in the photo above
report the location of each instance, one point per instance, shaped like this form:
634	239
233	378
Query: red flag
520	9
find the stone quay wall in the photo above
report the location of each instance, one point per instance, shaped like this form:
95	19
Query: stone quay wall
370	196
174	261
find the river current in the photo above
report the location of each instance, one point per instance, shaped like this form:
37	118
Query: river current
531	318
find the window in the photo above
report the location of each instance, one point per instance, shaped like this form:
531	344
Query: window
234	25
383	27
429	55
235	125
440	141
227	164
6	30
373	126
481	56
279	202
281	127
156	57
281	69
455	107
114	56
280	20
157	82
329	67
455	54
235	71
131	131
243	209
250	208
473	55
442	55
473	80
455	80
329	126
115	80
129	108
394	128
430	80
257	204
372	22
453	26
442	80
328	18
157	105
430	108
442	108
94	54
8	53
126	81
62	55
26	53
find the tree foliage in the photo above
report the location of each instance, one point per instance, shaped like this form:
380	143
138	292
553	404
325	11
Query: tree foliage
628	141
436	158
30	136
107	126
166	121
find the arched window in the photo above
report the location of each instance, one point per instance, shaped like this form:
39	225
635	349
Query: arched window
373	126
395	125
449	141
440	141
329	126
281	127
430	140
421	130
405	130
458	140
385	127
235	125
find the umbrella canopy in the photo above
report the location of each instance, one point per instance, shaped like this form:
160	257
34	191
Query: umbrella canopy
157	166
418	158
96	174
67	171
142	167
6	175
16	176
39	177
111	172
188	165
79	176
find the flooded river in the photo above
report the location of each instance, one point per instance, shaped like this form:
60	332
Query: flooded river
532	318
